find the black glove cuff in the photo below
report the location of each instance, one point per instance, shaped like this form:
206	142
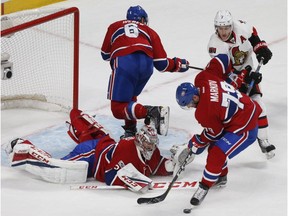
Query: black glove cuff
254	40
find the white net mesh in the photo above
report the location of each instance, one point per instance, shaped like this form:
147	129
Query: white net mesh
42	58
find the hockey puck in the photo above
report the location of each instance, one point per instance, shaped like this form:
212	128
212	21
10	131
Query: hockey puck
187	210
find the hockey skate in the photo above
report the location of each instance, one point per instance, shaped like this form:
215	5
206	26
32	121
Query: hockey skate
129	131
221	182
199	195
160	118
267	148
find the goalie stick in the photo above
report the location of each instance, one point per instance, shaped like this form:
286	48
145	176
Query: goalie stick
162	197
252	82
97	187
156	186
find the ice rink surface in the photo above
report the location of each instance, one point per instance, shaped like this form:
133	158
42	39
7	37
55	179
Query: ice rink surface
256	187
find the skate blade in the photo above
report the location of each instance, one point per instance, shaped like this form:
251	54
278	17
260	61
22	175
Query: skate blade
270	155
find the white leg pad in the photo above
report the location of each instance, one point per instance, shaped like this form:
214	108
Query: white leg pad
60	171
41	164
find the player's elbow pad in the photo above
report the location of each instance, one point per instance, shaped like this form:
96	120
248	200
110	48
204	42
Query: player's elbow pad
161	65
105	56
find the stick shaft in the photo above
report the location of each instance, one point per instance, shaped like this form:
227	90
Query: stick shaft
156	186
252	82
97	187
197	68
162	197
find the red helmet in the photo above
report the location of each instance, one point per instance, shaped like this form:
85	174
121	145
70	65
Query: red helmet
147	141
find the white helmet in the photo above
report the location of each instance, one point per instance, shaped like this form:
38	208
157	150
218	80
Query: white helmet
146	141
223	18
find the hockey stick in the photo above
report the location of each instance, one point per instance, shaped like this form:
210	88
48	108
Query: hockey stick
197	68
162	197
156	186
253	81
97	187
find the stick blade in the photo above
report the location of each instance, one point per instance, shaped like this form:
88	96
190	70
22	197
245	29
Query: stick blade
151	200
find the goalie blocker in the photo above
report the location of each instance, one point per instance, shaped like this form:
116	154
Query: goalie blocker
135	181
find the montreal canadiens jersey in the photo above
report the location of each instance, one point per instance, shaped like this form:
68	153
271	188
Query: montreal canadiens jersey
238	47
127	36
222	108
111	156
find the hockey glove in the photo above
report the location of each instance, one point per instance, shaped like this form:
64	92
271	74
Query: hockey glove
197	145
181	65
236	78
133	179
262	51
257	77
179	155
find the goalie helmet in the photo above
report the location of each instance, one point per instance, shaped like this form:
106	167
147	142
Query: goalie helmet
147	141
137	13
185	93
223	18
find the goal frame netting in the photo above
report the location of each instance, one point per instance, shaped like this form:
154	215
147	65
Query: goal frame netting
35	100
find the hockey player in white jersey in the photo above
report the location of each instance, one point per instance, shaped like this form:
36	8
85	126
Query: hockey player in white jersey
240	40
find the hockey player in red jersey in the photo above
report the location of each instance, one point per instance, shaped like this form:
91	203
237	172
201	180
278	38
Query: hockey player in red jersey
128	162
133	49
239	40
229	119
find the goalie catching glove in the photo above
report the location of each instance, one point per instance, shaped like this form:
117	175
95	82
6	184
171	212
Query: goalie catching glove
181	152
179	155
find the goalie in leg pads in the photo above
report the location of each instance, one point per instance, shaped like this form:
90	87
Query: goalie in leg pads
129	162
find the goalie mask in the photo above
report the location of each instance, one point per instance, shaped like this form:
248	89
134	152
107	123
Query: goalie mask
147	141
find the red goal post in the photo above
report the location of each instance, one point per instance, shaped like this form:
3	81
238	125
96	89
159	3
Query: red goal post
40	59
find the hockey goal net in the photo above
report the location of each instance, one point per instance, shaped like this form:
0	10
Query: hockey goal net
40	59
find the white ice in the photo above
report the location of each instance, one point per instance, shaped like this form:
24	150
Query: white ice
256	187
